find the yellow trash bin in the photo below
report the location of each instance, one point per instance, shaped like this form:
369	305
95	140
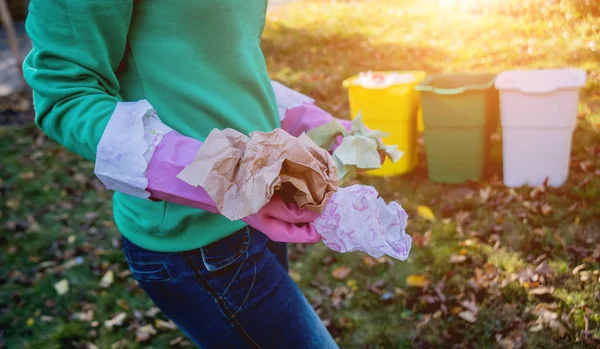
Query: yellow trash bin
395	109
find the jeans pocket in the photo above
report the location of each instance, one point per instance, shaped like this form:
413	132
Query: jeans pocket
226	251
145	265
149	272
229	269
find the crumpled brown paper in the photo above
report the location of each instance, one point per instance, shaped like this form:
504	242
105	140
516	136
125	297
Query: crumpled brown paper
242	173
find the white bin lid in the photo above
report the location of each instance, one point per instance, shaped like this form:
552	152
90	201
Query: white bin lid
541	80
383	80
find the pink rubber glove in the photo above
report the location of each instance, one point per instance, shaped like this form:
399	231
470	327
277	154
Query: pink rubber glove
279	220
308	116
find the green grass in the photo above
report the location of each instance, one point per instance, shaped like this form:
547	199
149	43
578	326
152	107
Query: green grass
52	210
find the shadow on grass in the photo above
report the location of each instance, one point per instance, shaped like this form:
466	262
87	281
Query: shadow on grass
316	62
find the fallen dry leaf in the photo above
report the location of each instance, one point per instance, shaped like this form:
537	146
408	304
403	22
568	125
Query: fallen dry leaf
295	275
352	284
107	279
467	316
558	326
421	240
340	294
370	261
546	209
377	287
115	321
144	333
27	175
456	258
152	312
122	344
539	232
456	310
505	343
165	325
13	204
484	194
584	165
417	281
542	307
86	316
543	268
73	262
176	341
470	305
541	291
549	319
425	213
340	273
424	321
536	328
123	304
384	260
62	287
578	268
329	260
585	275
46	318
462	217
90	216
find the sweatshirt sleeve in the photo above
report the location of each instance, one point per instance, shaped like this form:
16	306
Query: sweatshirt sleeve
77	46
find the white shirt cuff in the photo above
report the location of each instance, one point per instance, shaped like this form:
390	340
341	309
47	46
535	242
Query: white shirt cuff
288	99
126	147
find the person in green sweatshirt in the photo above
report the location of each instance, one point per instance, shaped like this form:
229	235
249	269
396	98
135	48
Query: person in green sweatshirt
136	86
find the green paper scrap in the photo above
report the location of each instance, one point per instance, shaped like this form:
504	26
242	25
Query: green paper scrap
324	135
359	148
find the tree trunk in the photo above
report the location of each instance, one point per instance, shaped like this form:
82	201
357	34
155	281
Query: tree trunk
11	34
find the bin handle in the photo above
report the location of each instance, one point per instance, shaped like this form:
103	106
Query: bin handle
423	87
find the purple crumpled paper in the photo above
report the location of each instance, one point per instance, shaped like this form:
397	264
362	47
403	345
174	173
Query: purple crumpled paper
356	219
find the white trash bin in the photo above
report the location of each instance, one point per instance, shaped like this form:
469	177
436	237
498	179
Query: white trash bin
538	111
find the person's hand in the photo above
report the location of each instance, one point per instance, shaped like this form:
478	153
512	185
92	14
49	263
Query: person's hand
306	117
285	222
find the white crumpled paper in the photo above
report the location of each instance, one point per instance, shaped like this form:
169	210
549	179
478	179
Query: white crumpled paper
359	148
356	219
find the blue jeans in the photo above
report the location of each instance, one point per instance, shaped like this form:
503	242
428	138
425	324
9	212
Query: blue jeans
234	293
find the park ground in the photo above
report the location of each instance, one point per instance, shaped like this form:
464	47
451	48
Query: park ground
491	267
